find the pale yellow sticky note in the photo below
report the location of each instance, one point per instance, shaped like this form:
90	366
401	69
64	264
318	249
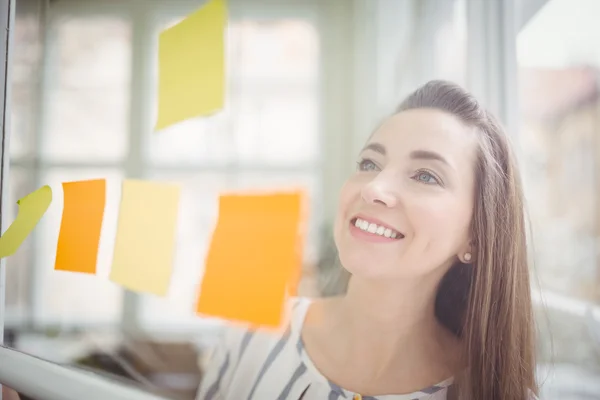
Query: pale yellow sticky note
191	66
31	209
145	242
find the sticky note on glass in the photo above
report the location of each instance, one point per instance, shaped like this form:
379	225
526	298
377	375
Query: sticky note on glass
79	236
253	257
191	66
31	209
145	243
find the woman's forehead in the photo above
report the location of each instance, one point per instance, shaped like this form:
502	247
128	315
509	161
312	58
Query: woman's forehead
424	129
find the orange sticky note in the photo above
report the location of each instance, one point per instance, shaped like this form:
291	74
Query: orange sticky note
253	258
79	236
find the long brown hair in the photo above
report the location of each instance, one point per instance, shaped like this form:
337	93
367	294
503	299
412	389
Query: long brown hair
488	303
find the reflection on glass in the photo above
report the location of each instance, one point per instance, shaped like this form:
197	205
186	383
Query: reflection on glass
88	115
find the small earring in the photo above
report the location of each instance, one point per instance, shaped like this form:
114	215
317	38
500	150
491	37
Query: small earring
467	257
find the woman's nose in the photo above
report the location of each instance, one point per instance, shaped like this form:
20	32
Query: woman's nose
380	191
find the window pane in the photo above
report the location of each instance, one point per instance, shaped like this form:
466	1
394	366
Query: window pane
560	144
88	107
197	218
276	128
25	77
451	45
270	116
18	265
78	298
275	50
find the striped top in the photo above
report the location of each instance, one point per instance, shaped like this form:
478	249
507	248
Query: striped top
255	365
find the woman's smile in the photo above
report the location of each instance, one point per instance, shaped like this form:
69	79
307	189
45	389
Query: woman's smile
373	230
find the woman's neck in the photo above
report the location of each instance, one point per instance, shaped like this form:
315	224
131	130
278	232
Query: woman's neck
386	333
385	320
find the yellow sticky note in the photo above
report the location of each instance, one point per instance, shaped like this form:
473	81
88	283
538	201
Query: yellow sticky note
31	209
191	66
253	259
145	242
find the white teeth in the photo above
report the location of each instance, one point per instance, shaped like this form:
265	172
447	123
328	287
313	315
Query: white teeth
375	229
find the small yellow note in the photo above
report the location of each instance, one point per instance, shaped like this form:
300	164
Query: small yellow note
145	242
31	209
191	66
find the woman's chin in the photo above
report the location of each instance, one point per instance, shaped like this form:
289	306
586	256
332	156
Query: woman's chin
366	270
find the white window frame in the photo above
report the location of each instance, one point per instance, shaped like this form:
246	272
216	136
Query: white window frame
7	22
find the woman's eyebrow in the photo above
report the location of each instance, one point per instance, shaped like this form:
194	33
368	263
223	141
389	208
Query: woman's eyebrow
376	147
414	155
428	155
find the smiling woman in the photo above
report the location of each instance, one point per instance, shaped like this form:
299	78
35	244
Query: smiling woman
431	228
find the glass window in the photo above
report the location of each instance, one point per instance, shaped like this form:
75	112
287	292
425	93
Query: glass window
197	217
24	82
271	108
276	128
198	214
451	45
275	50
18	273
560	144
89	73
270	121
267	137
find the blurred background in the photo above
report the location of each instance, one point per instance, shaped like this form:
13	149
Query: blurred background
307	82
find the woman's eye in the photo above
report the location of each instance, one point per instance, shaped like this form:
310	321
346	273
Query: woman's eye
367	165
426	177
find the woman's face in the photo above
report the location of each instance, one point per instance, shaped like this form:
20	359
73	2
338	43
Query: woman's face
407	209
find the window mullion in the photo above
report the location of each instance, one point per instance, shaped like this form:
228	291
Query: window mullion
141	110
45	74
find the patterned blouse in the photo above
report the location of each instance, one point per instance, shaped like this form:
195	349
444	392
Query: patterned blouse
255	365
